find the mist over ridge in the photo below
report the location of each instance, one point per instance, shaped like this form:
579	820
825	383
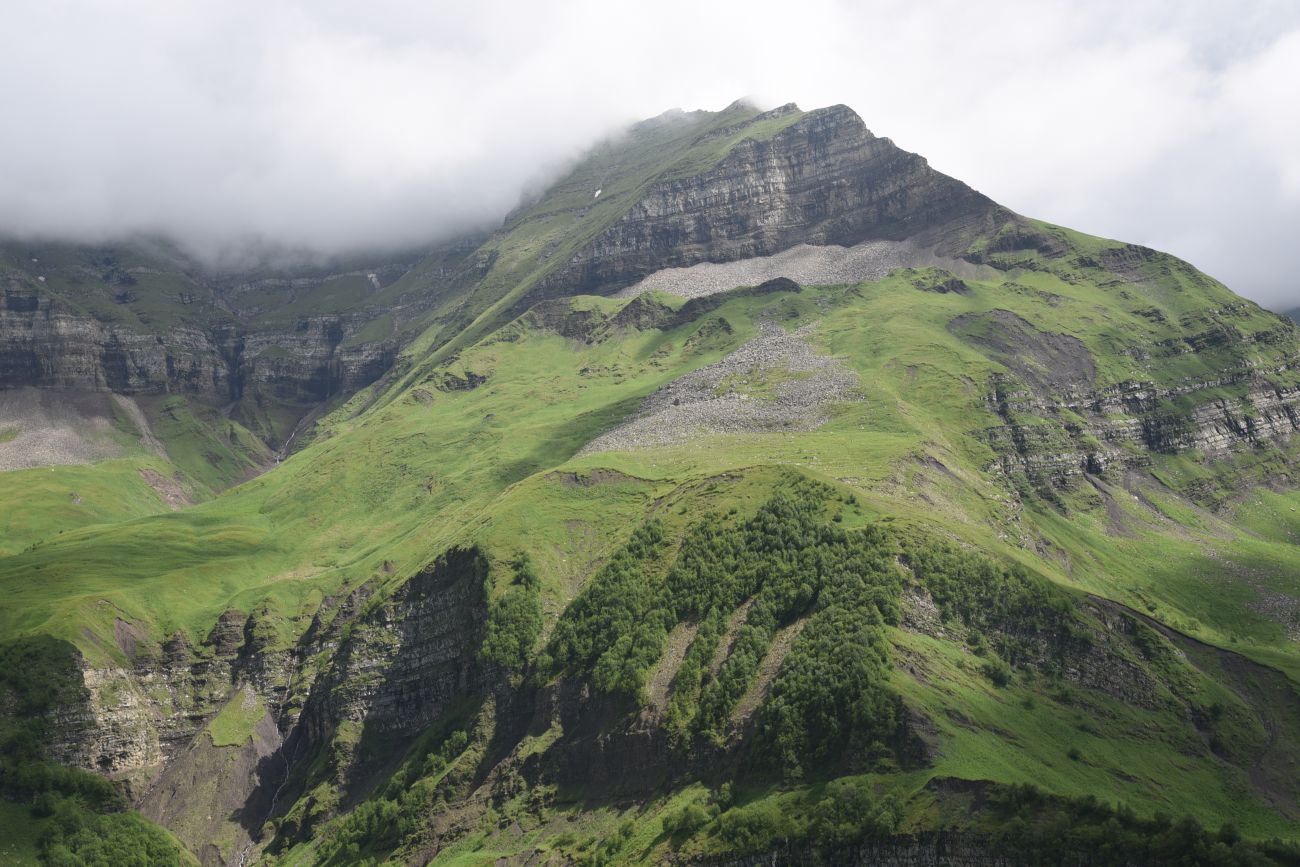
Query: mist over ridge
247	130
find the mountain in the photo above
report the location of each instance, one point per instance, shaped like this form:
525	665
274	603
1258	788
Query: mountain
757	491
1294	314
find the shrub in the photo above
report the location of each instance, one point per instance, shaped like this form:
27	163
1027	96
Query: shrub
514	619
686	821
997	671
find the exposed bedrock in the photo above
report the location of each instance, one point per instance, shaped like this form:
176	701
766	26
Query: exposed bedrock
825	179
1053	378
134	716
308	361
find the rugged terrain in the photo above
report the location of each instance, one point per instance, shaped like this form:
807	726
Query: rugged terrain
756	492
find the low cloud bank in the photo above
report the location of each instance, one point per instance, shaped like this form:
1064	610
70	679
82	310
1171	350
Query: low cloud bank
327	127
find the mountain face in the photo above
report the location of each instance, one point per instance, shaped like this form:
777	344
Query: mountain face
820	178
756	493
143	319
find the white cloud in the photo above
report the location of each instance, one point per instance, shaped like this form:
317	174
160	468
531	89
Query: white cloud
337	125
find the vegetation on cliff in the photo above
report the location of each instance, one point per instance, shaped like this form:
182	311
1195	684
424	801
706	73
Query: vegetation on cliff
1046	536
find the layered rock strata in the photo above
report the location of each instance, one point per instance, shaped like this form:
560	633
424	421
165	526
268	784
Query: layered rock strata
824	179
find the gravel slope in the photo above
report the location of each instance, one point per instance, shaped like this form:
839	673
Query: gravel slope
804	264
775	382
50	428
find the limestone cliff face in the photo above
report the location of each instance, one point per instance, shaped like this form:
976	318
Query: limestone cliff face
1058	424
825	179
1123	424
146	324
144	722
136	716
403	662
46	347
395	667
309	363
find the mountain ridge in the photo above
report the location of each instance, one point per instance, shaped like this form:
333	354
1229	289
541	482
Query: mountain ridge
916	538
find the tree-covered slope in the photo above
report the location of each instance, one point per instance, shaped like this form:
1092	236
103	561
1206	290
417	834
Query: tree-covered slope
996	539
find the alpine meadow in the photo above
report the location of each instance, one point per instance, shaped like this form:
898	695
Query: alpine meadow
754	493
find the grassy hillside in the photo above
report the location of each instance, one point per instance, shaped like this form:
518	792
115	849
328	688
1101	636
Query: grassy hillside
104	468
917	553
541	235
393	486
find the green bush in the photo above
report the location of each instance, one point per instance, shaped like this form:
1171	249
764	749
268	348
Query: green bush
757	827
687	821
997	671
75	837
514	619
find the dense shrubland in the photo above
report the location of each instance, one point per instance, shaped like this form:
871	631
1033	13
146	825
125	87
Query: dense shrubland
829	703
1021	823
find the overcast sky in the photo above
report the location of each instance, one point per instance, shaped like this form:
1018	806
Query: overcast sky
341	125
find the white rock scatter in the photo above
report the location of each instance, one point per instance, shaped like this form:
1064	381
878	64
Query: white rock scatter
715	398
804	264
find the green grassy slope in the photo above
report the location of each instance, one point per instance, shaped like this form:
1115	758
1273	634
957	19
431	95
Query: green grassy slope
190	453
435	467
478	443
542	235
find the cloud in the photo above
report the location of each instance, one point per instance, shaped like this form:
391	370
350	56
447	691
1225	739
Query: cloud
335	126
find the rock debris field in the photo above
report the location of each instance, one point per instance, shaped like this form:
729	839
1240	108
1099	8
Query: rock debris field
775	382
39	429
804	264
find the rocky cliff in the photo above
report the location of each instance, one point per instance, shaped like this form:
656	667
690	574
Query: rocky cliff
132	322
824	179
1059	425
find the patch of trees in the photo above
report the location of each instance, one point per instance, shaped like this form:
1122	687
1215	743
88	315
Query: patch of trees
1000	604
608	628
1020	824
1034	827
788	561
514	619
848	810
380	824
85	819
76	837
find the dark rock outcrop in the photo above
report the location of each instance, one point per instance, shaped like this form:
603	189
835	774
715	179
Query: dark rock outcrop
1123	424
825	179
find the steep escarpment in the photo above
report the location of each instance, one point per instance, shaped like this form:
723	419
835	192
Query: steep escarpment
138	320
1059	424
134	716
823	179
